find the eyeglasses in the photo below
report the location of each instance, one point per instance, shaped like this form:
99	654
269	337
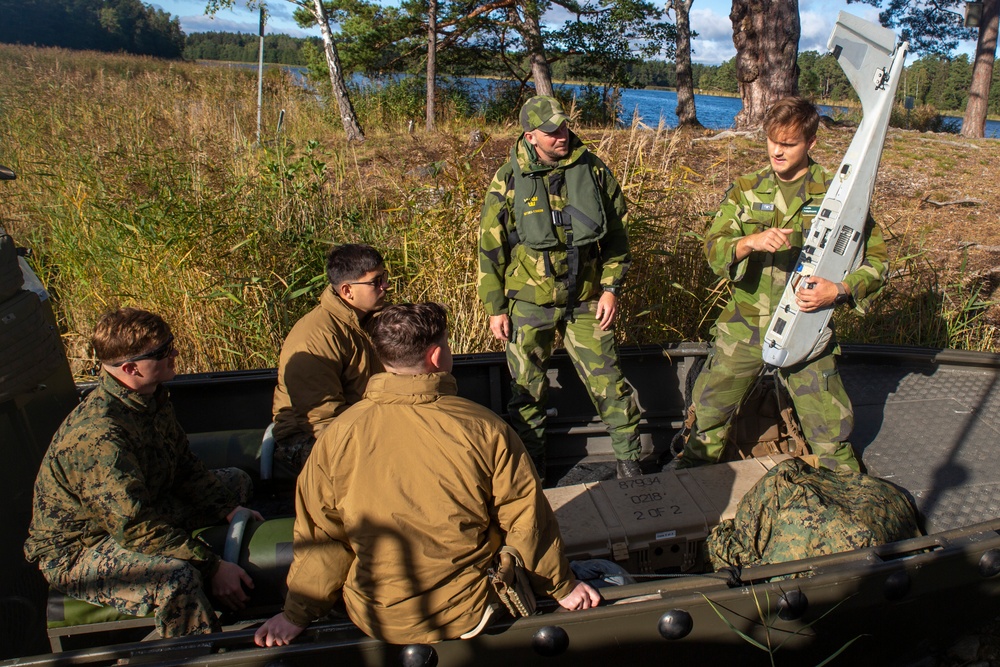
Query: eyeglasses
381	280
158	353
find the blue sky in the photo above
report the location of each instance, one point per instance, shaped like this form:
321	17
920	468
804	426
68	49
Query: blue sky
710	18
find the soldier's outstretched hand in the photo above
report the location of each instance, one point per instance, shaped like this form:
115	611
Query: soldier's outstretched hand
277	631
500	326
583	596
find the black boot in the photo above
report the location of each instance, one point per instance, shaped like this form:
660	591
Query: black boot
539	462
627	468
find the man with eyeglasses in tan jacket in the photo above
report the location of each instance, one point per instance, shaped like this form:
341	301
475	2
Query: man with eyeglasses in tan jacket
327	358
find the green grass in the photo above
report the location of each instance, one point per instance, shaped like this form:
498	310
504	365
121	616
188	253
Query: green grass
140	183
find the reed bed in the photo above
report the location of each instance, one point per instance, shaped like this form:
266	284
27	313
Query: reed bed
141	183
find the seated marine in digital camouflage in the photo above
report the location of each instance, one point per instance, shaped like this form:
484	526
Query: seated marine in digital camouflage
119	493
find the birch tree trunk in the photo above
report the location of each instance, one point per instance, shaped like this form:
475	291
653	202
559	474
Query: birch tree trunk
431	61
974	121
766	36
347	115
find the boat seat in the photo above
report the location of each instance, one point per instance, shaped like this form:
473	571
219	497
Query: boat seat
251	449
266	554
223	449
72	623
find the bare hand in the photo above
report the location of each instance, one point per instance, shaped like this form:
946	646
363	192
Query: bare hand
769	240
254	513
815	293
607	308
583	596
228	583
277	631
500	326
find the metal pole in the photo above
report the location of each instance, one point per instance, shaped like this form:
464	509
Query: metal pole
260	74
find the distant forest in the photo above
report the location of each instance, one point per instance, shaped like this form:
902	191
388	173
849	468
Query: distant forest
240	47
135	27
101	25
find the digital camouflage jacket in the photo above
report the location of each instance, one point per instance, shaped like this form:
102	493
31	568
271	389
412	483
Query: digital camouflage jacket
120	466
545	277
797	511
752	204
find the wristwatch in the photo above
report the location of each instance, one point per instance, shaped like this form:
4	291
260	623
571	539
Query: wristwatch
843	296
611	289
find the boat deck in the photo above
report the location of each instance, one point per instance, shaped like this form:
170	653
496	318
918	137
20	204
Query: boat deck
927	420
933	431
929	423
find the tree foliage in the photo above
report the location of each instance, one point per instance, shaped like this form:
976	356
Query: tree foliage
934	26
101	25
242	47
610	37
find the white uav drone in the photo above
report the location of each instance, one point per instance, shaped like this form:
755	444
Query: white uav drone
869	56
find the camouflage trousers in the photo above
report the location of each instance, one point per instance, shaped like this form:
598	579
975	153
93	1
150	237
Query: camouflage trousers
816	389
293	451
140	584
595	357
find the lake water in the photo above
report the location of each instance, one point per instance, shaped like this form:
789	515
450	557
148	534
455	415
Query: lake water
715	113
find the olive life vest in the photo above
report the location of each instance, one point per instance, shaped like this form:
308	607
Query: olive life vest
581	216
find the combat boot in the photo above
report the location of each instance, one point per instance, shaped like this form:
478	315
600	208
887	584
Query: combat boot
627	468
538	460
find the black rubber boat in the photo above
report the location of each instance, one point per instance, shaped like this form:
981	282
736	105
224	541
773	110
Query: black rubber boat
927	420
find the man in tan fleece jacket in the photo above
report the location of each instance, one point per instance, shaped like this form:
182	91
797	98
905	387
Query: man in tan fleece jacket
408	497
327	358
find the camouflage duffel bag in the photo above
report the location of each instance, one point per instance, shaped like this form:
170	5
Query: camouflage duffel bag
798	511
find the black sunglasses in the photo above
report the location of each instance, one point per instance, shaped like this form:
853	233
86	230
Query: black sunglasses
158	353
382	280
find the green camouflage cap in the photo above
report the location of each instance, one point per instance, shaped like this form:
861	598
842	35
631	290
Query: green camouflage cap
542	113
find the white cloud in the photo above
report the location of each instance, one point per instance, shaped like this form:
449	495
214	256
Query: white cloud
203	23
711	25
714	43
815	29
191	14
711	52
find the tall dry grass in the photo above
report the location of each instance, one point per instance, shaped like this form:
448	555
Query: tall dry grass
140	183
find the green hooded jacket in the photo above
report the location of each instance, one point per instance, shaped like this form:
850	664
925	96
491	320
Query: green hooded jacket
516	270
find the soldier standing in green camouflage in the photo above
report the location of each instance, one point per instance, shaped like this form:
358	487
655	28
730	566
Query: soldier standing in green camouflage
553	253
119	492
754	242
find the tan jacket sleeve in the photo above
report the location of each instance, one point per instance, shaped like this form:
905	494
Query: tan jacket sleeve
322	554
527	519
